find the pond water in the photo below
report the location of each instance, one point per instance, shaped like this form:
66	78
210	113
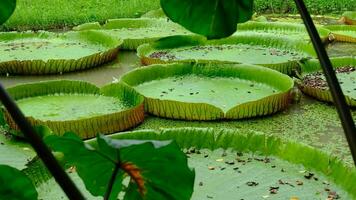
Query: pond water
337	49
310	121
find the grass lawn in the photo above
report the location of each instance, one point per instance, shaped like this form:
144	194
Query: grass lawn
54	14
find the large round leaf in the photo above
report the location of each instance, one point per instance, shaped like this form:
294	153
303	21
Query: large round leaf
52	53
78	106
313	81
195	91
281	53
137	31
211	18
7	7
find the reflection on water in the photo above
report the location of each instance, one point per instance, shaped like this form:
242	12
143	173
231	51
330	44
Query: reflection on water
337	49
126	61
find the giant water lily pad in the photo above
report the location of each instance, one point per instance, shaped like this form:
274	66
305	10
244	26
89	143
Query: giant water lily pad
283	29
78	106
313	81
343	33
210	91
281	54
49	53
230	164
296	18
135	32
349	17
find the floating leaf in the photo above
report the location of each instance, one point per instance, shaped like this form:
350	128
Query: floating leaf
313	81
157	170
15	185
30	53
194	91
137	31
343	33
211	18
276	52
78	106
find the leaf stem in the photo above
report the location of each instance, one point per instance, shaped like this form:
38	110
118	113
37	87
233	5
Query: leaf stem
112	181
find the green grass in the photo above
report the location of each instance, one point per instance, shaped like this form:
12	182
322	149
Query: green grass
63	14
314	6
55	14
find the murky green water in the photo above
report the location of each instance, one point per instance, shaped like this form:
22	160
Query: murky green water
337	49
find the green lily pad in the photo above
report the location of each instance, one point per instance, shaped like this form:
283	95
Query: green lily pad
349	17
227	174
78	106
49	53
283	29
231	164
157	13
210	91
295	18
313	81
281	54
343	33
135	32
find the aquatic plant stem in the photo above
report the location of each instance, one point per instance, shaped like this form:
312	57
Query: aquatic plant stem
112	181
337	94
39	146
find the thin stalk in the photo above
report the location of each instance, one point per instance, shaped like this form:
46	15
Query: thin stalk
41	149
335	89
112	182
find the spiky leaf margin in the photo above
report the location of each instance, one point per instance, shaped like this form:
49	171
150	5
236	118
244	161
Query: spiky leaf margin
313	65
203	111
286	43
55	66
130	43
88	127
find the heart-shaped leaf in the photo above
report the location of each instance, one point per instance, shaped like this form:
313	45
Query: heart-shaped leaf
211	18
15	185
7	7
157	170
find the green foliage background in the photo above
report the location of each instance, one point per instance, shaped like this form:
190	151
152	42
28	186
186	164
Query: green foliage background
54	14
314	6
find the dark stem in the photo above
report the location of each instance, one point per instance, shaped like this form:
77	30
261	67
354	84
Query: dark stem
41	149
112	181
338	97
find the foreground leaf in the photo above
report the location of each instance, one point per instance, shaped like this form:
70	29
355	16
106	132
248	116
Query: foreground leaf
15	185
7	7
157	170
211	18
